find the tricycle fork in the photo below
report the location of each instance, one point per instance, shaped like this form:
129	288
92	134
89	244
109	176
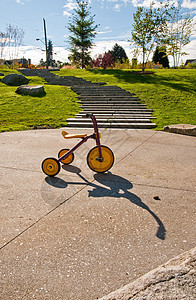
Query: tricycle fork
97	135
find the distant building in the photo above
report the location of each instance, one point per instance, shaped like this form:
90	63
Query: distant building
22	61
190	61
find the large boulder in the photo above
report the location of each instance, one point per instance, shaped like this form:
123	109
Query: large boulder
15	79
186	129
176	279
32	90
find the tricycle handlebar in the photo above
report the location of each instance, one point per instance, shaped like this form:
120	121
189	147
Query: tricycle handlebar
88	115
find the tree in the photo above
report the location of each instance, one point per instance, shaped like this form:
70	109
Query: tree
146	29
160	56
176	32
83	29
50	53
3	41
14	38
118	53
103	61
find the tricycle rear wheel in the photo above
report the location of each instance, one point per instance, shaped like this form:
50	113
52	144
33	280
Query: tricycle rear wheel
51	166
68	160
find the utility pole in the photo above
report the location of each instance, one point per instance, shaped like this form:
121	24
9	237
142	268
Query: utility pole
46	44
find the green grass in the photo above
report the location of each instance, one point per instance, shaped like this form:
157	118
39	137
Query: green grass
21	112
170	93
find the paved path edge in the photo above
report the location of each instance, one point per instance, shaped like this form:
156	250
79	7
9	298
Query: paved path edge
156	283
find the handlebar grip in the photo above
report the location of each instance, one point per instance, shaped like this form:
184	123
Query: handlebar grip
88	115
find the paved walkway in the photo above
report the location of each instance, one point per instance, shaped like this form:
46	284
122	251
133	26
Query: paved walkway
82	235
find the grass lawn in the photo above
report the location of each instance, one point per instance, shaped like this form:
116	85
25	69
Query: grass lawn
170	93
21	112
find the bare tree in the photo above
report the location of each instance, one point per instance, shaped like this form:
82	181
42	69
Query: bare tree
14	38
176	32
3	41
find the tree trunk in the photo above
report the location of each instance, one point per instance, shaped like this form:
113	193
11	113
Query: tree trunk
143	63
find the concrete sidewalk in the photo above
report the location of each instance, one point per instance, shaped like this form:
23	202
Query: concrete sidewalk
82	235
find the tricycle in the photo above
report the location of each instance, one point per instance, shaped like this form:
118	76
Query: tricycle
99	159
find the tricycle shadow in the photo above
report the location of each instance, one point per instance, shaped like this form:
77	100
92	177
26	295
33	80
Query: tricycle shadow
111	186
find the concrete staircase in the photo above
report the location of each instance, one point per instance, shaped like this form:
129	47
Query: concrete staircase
113	107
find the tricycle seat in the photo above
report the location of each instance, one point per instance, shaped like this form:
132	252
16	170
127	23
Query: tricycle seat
66	135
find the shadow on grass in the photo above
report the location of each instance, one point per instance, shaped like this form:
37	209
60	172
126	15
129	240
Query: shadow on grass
129	76
111	186
41	95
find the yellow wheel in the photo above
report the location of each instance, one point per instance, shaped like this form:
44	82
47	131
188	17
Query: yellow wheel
51	166
67	160
100	166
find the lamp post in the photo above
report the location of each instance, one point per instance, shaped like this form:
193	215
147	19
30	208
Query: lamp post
46	45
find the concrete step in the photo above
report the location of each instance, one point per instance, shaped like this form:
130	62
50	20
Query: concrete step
113	125
104	93
109	99
118	116
124	110
118	103
117	97
112	106
108	120
97	87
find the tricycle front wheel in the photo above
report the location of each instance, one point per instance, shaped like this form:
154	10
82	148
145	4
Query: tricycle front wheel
100	166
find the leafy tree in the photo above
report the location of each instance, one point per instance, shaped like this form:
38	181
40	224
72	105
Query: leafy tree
107	60
118	53
42	63
160	56
50	53
146	29
103	61
83	32
176	32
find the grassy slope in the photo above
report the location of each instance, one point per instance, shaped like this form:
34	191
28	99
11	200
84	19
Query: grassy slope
170	93
19	112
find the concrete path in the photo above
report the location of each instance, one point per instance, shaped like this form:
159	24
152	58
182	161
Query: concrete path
82	235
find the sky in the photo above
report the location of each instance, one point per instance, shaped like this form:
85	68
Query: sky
114	17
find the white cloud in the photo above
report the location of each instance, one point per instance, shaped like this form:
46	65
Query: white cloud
147	3
70	6
100	47
190	50
66	13
103	32
36	54
117	7
20	2
189	4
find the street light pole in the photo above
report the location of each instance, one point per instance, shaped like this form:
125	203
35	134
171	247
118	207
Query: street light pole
46	43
